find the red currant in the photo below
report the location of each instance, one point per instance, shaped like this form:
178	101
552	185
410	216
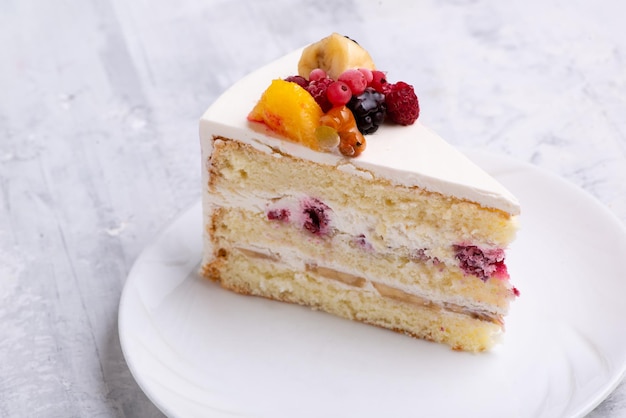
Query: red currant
317	74
379	81
368	74
338	93
355	79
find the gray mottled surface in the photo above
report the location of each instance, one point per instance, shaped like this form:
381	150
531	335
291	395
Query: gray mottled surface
99	102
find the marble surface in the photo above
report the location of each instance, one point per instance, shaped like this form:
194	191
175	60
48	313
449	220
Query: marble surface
99	103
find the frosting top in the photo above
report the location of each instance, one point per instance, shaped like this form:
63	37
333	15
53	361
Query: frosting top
406	155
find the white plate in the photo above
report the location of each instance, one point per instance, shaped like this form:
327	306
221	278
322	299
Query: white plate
197	350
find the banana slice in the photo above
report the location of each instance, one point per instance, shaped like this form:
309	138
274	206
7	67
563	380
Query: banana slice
334	54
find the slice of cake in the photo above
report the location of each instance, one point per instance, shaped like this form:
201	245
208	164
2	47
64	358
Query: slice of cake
347	204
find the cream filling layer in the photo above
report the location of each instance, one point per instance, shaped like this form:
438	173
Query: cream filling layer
382	237
344	242
404	294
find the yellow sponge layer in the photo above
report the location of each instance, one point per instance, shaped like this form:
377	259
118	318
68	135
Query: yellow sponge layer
266	278
240	168
384	285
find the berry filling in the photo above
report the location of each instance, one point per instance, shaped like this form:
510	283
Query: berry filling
421	256
315	216
309	214
482	263
362	242
278	215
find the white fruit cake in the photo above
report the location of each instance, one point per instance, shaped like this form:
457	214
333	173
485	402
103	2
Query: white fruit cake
323	189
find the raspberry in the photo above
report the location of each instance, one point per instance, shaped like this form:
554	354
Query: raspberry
317	89
301	81
402	104
369	110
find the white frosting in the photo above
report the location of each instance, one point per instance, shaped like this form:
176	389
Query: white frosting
405	155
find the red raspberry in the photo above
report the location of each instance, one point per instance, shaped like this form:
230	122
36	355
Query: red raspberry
317	89
402	104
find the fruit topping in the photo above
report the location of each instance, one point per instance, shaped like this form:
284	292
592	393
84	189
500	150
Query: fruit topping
289	110
341	119
327	138
317	74
334	54
369	110
369	75
317	89
338	93
355	80
301	81
337	97
379	81
402	104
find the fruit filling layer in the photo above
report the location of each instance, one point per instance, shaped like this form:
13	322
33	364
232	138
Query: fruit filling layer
383	290
313	216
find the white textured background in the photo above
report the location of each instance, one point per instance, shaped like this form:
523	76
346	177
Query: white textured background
99	102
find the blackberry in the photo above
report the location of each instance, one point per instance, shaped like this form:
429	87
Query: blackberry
369	110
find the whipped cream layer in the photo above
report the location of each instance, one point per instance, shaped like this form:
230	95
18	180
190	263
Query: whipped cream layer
405	155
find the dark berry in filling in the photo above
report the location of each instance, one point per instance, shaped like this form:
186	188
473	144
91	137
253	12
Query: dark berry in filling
315	216
482	263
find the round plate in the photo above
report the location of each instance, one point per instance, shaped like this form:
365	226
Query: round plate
198	350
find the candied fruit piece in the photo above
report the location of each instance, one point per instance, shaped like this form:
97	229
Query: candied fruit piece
327	137
351	141
289	110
